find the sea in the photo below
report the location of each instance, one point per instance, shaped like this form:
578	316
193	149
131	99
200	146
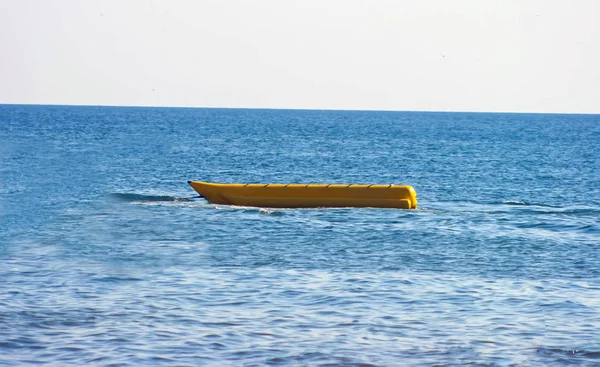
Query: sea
108	258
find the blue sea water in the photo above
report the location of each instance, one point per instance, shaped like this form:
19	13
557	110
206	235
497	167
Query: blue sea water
105	259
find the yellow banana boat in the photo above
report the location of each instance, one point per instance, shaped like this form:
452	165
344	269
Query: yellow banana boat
308	195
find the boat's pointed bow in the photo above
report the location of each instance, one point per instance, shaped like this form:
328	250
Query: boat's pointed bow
210	191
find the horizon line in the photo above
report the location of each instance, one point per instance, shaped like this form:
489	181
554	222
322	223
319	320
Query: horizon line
296	109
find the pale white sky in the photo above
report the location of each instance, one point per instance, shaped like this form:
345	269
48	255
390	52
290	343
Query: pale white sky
452	55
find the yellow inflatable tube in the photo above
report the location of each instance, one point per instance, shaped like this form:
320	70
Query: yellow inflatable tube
308	195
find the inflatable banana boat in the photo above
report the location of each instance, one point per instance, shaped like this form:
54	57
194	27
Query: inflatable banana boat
307	195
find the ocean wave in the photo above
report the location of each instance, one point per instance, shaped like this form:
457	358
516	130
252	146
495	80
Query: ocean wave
131	197
510	207
587	354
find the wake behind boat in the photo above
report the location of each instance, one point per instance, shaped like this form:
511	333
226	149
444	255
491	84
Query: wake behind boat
308	195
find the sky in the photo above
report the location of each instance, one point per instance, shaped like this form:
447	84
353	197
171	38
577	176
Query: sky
426	55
